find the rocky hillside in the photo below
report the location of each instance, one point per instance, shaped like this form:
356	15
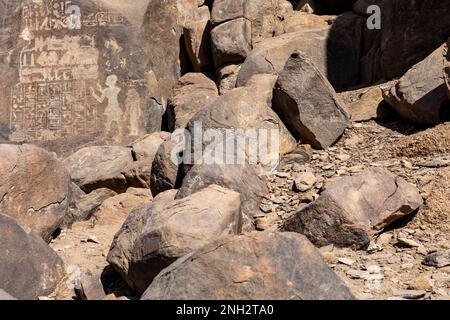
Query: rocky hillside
224	149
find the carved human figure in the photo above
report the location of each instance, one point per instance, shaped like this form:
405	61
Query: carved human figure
113	112
133	111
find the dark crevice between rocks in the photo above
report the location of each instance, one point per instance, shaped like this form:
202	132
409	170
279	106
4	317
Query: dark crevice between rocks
401	222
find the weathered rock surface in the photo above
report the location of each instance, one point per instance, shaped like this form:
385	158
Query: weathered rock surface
447	67
240	178
231	41
227	77
335	51
146	147
308	104
420	96
192	93
247	114
35	188
298	21
368	104
83	207
150	241
28	267
166	169
100	167
144	150
416	29
77	79
198	41
5	296
349	211
258	266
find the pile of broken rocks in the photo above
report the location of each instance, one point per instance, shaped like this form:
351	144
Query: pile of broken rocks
358	207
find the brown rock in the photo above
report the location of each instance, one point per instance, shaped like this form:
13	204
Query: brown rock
313	110
197	40
5	296
231	41
100	167
83	207
257	266
420	96
368	105
349	211
166	170
333	51
90	90
170	230
35	188
447	67
228	77
247	114
241	178
28	267
192	93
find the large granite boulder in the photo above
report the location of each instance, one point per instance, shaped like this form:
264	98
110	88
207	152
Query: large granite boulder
420	96
354	208
171	230
308	104
35	188
28	267
257	266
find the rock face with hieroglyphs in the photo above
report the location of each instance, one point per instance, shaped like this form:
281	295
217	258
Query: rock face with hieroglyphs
76	74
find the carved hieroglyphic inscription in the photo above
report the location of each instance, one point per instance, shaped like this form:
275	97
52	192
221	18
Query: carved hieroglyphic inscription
59	94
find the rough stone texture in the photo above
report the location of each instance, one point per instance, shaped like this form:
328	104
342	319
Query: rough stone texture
28	267
100	167
121	256
263	16
146	147
350	210
115	209
5	296
172	230
163	50
257	266
240	178
165	174
333	51
35	188
297	21
198	42
308	104
231	41
447	67
369	105
192	93
83	82
227	77
420	96
137	174
81	208
240	109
